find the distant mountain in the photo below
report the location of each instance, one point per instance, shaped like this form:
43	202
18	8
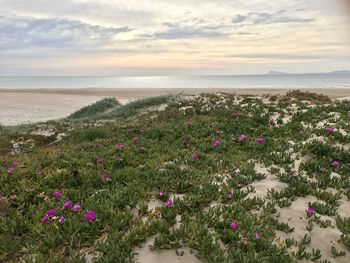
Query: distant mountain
340	72
337	72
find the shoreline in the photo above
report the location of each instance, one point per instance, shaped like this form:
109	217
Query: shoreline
26	106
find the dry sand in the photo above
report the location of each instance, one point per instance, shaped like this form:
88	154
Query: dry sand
30	106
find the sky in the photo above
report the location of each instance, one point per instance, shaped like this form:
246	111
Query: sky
168	37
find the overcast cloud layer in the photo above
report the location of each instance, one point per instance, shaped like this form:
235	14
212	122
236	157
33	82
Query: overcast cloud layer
159	37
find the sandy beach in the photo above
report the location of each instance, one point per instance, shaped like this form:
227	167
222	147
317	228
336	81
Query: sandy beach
24	106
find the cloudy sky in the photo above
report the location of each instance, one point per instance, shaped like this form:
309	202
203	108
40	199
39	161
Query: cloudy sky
172	37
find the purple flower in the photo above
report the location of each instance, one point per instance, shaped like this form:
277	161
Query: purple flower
195	155
243	137
336	164
90	216
106	177
61	219
68	204
330	130
51	212
168	203
245	239
76	208
260	140
45	219
216	143
310	211
10	170
57	195
120	146
234	225
257	235
99	160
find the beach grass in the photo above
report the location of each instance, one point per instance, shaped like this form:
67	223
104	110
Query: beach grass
231	178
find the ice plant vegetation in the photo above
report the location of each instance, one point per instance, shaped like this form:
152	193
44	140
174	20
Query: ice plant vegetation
238	201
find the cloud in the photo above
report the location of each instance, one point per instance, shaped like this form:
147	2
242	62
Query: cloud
290	56
25	32
196	28
265	18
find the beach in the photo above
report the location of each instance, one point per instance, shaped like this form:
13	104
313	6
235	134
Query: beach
25	106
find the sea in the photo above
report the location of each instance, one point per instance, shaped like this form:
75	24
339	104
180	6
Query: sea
288	81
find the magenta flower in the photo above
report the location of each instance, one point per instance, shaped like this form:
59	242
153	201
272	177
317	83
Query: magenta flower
90	216
330	130
234	225
99	160
336	164
10	170
120	146
243	137
68	204
310	211
57	195
61	219
216	143
51	212
76	208
136	139
45	219
195	155
260	140
245	239
168	203
257	235
106	177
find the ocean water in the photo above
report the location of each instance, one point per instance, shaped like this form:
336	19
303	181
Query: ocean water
246	81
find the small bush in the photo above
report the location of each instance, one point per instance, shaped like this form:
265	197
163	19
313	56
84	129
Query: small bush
95	109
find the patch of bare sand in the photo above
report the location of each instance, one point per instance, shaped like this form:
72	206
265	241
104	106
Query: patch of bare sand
146	254
321	238
270	182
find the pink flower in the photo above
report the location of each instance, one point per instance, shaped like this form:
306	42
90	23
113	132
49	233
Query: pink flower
61	219
162	194
336	164
243	137
168	203
330	130
106	177
260	140
120	146
51	212
76	208
136	139
68	204
245	239
57	195
10	170
234	225
195	155
99	160
257	235
98	145
90	216
216	143
310	211
45	219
